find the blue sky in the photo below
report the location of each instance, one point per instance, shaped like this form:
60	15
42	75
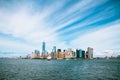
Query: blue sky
25	24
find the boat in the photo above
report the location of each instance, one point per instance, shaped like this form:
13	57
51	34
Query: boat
49	58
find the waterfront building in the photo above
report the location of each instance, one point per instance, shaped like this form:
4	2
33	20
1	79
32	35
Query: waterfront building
43	48
80	53
58	50
44	52
32	55
77	53
83	54
69	54
86	54
90	52
59	54
36	54
74	54
54	52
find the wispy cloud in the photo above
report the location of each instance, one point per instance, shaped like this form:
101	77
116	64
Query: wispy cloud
75	24
101	40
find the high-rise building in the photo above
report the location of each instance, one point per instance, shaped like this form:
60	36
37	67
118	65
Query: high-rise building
36	52
59	54
80	53
43	48
77	53
74	54
54	48
83	54
54	52
69	54
90	52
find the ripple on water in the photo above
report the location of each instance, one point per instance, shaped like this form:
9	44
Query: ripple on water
30	69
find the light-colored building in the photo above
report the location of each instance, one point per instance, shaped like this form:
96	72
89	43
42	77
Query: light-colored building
69	54
90	52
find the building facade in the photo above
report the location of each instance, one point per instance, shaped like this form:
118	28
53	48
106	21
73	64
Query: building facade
43	49
90	52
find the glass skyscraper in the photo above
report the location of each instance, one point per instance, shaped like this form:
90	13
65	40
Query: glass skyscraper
54	48
54	52
43	48
36	52
80	53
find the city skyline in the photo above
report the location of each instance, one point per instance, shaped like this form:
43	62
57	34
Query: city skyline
24	25
60	54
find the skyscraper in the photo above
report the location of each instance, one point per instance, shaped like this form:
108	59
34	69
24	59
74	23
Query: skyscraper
43	48
80	53
54	48
36	52
90	52
77	53
83	54
54	52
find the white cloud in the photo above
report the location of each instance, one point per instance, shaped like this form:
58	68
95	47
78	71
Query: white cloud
23	24
82	10
100	40
31	27
14	45
26	23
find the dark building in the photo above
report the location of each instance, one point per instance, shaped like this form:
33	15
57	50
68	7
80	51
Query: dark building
86	54
63	50
58	50
83	54
77	53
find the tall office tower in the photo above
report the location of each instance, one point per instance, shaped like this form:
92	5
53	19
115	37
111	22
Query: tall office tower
54	52
90	52
80	53
54	48
43	48
77	53
37	52
83	54
86	54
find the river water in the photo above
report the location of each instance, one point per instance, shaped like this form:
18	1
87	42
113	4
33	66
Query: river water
35	69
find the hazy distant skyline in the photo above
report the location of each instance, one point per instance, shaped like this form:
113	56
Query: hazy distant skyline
25	24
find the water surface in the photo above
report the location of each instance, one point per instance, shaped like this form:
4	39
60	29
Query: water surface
35	69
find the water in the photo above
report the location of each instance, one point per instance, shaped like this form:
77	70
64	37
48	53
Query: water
34	69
